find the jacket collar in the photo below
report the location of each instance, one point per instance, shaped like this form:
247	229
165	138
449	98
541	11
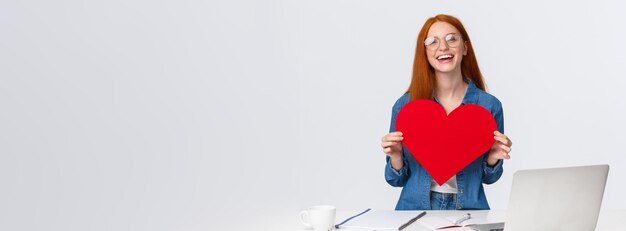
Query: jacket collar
471	95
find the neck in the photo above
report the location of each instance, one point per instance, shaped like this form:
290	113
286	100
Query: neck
450	85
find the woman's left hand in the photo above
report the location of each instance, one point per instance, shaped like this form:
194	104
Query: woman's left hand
500	149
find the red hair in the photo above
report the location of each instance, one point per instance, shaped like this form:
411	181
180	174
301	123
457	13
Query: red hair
423	80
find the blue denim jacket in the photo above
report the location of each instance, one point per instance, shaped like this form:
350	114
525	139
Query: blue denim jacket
416	181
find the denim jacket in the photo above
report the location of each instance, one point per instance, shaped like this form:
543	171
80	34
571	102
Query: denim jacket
416	181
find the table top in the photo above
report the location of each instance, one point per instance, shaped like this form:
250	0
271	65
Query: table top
609	220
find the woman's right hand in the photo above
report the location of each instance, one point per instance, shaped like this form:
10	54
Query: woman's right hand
393	148
391	144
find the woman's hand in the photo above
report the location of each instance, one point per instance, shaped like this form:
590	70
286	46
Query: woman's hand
393	148
500	149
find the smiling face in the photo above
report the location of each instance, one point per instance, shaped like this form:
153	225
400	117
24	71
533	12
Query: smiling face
445	48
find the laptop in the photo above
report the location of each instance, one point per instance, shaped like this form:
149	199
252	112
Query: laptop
554	199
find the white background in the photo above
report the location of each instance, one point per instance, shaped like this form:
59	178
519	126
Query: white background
233	115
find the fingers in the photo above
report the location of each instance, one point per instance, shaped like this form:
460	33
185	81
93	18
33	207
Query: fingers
392	151
502	148
391	142
503	155
499	154
506	155
388	144
501	151
394	136
505	148
502	138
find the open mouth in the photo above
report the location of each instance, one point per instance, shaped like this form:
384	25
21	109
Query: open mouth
445	58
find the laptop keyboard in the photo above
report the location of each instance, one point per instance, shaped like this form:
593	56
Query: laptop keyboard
488	227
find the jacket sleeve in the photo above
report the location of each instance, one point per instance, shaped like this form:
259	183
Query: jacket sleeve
492	174
396	178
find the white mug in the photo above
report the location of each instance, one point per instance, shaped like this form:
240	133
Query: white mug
320	217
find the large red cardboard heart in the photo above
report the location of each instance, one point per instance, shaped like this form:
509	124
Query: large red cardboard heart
442	144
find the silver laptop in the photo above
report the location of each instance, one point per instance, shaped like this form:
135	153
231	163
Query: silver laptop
554	199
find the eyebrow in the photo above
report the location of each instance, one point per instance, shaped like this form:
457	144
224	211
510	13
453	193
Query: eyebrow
446	34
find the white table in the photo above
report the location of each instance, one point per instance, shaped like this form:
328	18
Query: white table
609	220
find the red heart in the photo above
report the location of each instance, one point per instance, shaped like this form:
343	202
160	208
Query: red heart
442	144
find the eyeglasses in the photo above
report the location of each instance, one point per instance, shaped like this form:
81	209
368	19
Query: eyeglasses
452	40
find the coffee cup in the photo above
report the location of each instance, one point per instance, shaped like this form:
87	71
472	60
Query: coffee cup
320	217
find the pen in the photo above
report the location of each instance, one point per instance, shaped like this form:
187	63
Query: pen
352	217
412	220
462	219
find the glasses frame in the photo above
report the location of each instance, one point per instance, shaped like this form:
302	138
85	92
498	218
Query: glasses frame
438	40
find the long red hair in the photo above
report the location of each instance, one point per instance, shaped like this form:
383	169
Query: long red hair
423	80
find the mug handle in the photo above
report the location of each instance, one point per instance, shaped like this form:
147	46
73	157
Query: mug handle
302	215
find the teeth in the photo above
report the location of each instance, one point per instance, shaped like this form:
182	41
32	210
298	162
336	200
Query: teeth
444	57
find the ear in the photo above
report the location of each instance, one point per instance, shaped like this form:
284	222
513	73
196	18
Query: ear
466	48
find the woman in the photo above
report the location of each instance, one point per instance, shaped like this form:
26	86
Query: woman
445	70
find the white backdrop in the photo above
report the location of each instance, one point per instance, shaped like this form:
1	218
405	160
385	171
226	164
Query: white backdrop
235	115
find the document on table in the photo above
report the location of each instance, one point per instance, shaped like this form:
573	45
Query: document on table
436	222
381	220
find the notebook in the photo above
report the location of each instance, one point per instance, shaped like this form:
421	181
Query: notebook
381	220
556	198
437	222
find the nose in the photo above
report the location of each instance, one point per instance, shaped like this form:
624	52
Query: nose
443	46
